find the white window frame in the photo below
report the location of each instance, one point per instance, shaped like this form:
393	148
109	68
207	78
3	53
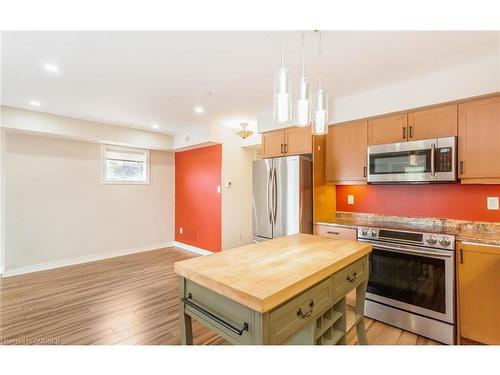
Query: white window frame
104	148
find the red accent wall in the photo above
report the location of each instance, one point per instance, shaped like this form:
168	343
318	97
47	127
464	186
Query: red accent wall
197	202
452	201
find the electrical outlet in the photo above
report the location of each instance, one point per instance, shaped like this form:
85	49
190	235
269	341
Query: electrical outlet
180	230
492	203
350	199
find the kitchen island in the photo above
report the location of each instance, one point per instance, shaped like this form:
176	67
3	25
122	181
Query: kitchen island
290	290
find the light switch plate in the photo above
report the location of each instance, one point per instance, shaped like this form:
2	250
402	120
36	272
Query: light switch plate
180	230
492	203
350	199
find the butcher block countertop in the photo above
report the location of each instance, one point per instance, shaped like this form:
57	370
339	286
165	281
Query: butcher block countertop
266	274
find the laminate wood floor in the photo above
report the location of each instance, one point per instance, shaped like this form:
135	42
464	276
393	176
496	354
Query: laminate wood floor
131	299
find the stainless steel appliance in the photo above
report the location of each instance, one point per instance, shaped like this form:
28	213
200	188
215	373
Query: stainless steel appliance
282	197
411	282
431	160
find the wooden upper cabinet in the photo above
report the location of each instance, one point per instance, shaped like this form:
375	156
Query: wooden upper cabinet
389	129
346	152
287	142
273	144
479	293
479	140
298	141
433	123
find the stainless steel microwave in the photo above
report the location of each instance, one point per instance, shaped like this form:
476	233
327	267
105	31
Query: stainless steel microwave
430	160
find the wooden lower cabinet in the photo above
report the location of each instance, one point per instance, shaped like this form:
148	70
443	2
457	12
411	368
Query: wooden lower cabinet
479	141
479	292
346	153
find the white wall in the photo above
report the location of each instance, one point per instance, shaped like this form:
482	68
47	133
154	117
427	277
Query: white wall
56	207
40	123
473	79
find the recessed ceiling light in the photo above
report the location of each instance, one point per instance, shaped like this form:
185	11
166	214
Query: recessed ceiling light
35	103
199	109
51	68
155	126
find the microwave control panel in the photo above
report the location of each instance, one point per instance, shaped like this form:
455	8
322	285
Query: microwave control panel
444	159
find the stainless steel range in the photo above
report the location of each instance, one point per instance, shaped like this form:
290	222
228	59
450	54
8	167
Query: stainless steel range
412	282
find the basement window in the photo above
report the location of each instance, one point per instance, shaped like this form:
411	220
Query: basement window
124	165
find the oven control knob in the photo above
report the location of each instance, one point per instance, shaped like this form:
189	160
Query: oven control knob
444	242
431	240
364	232
373	233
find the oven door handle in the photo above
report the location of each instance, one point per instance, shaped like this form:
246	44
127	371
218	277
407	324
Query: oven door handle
408	251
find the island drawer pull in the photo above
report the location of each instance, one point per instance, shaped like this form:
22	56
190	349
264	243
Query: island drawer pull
222	322
307	314
353	278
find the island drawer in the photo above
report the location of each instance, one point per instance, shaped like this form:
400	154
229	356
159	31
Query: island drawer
350	277
287	319
215	310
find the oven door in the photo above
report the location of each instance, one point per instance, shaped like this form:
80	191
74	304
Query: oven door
413	279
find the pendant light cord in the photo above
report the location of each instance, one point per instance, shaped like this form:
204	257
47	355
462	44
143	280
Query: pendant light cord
319	62
303	57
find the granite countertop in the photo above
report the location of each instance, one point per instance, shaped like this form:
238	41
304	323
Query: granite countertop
478	232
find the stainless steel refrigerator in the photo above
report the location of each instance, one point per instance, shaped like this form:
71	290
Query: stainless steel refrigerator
282	197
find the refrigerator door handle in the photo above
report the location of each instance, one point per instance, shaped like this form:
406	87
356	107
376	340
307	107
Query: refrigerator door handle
275	195
269	195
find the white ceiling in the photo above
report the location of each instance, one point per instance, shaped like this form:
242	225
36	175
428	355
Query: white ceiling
137	79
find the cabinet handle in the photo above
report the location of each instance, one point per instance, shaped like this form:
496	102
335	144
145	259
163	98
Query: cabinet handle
404	132
364	171
461	167
286	148
335	233
308	313
222	322
282	149
411	135
461	256
353	278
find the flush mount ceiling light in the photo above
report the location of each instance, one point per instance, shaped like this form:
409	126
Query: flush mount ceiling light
303	106
155	126
282	106
35	103
51	68
320	116
244	133
199	109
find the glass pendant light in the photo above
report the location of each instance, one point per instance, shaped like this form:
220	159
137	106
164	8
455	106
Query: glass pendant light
282	108
320	116
303	107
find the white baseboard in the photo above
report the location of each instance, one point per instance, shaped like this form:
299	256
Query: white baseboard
193	249
83	259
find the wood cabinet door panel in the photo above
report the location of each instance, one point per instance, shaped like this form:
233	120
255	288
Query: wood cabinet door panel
346	152
273	144
479	138
298	141
389	129
433	123
479	293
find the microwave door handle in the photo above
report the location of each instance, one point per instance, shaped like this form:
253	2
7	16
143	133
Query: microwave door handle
433	160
